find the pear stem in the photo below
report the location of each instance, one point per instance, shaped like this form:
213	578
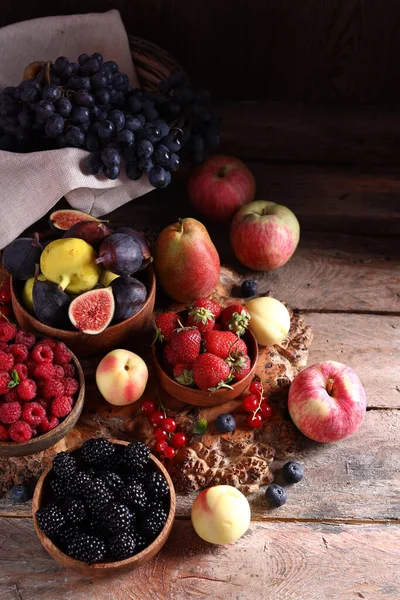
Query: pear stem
65	280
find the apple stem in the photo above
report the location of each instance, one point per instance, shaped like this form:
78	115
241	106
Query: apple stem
181	225
329	386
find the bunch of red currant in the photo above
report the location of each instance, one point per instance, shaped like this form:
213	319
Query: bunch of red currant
5	301
255	405
167	439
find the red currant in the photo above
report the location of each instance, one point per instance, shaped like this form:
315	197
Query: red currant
169	452
160	435
148	406
160	447
255	421
178	440
156	418
5	312
169	424
5	295
256	388
250	403
265	410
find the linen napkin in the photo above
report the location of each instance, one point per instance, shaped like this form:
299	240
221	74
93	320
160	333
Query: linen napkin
31	184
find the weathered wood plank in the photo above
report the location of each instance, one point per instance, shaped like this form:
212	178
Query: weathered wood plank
306	561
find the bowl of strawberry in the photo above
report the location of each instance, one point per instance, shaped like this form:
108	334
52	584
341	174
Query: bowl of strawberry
205	355
42	389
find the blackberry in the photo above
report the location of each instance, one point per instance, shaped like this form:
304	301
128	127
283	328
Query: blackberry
98	495
74	510
136	456
97	451
112	481
66	536
122	546
116	517
156	485
87	548
50	519
134	494
60	488
153	523
140	541
64	465
80	484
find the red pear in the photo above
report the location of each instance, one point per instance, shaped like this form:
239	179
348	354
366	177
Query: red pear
186	261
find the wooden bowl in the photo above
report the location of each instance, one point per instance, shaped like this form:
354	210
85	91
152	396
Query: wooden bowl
106	568
84	344
198	397
42	442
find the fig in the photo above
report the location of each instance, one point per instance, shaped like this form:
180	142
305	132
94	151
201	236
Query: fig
71	263
50	304
107	277
21	256
62	220
92	311
141	240
129	296
27	293
92	232
121	254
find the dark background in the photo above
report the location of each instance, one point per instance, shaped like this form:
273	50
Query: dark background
313	51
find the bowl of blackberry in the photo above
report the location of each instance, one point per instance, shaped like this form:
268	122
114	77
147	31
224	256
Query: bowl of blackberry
104	507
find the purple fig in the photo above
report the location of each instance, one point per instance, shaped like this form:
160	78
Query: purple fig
141	240
129	296
120	254
91	231
21	256
50	304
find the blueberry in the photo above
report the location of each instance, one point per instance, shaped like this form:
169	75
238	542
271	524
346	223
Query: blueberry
275	495
249	288
292	472
225	423
20	493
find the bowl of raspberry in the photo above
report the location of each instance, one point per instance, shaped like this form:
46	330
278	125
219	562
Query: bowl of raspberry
42	390
104	507
206	355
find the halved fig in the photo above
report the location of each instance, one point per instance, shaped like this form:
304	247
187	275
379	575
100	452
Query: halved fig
92	311
62	220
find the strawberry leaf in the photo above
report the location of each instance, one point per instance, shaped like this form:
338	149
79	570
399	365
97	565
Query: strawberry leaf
14	379
200	427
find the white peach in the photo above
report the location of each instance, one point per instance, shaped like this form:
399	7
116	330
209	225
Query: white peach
270	320
221	514
121	377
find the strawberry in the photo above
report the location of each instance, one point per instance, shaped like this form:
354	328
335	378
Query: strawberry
185	343
165	324
224	343
202	318
235	318
169	356
208	304
210	372
183	373
241	366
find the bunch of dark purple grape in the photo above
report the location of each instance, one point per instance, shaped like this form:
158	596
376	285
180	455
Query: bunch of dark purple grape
91	105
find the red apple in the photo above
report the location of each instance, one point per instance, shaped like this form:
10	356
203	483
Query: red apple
264	235
327	401
220	186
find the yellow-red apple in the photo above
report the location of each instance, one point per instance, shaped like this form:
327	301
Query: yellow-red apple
220	186
264	235
121	377
327	401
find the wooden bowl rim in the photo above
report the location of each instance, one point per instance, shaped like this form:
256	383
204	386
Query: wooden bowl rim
73	563
66	333
217	393
74	414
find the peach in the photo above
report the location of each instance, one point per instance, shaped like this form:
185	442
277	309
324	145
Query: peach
221	514
121	377
270	320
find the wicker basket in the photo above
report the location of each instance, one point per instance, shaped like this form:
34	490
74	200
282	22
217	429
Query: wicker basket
152	63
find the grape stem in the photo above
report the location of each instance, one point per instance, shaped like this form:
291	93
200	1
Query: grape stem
259	404
47	71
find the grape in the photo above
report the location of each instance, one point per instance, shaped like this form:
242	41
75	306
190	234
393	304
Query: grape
145	149
51	92
184	95
132	123
129	154
158	177
145	164
22	136
118	119
112	172
84	126
91	142
105	129
74	136
150	113
162	126
111	157
9	108
152	133
99	80
25	117
120	81
92	164
30	95
126	138
162	155
10	90
10	125
97	56
60	65
111	66
84	98
102	97
63	106
82	59
90	67
141	118
44	110
172	142
133	171
79	115
103	114
174	162
54	126
134	104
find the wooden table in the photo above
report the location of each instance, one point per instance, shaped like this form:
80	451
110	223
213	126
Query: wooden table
338	536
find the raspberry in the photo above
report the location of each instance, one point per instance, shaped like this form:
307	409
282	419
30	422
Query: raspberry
44	371
42	353
27	389
31	366
8	331
62	355
19	352
69	370
53	389
4	381
12	395
10	412
4	347
27	339
59	371
20	432
22	371
49	342
71	386
33	413
48	424
6	361
61	407
3	434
